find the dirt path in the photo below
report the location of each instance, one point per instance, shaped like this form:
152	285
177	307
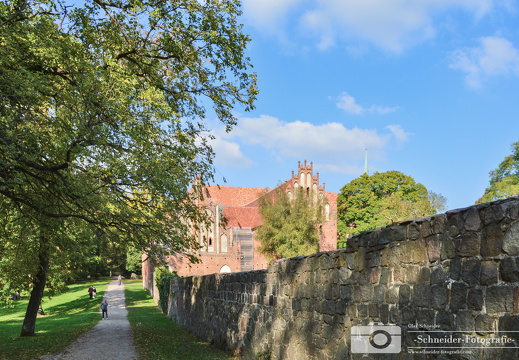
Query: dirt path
109	339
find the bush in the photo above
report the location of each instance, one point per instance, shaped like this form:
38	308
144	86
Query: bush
163	280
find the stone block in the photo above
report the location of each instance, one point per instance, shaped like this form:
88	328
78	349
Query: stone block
489	273
375	275
499	299
458	300
508	325
439	296
424	275
445	320
362	310
392	295
511	239
412	274
472	220
425	316
484	323
469	244
346	293
415	253
470	271
464	321
366	293
379	292
413	231
426	229
404	294
455	269
491	240
440	224
455	223
509	268
434	247
493	214
448	249
384	276
475	299
439	275
421	295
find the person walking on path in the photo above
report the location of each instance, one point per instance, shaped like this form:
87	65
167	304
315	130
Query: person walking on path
104	309
110	340
119	280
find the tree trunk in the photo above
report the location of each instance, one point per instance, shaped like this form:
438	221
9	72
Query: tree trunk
29	322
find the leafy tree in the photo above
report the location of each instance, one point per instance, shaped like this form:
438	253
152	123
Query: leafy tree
102	129
504	181
290	225
369	202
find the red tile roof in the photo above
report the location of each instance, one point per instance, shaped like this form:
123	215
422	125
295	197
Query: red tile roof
231	195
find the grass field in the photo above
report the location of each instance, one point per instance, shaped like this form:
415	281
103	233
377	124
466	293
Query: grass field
157	337
72	313
66	317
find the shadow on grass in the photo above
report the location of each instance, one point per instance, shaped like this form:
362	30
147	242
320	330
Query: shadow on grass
68	315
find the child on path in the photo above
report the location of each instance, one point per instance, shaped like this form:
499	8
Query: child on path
119	279
104	309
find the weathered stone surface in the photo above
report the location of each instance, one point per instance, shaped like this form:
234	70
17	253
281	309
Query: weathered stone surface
511	239
498	299
509	268
459	271
439	296
458	296
470	271
468	244
489	273
491	240
475	299
472	220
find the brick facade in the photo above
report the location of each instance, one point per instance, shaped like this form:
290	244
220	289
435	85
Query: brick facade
229	244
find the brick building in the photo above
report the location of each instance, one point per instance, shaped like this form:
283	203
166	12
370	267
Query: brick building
228	244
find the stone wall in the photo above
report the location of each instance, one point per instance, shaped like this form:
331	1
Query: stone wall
455	273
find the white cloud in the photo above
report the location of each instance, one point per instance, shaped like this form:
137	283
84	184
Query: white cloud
494	56
399	133
329	143
229	154
347	103
391	25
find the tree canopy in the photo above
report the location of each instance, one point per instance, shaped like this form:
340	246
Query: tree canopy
504	181
369	202
290	224
102	131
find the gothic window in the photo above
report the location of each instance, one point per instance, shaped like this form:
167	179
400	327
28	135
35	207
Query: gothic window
303	182
223	243
327	212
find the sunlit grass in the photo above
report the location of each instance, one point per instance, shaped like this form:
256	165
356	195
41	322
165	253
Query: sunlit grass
67	316
158	337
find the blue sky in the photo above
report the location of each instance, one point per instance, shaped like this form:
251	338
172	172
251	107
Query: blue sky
429	87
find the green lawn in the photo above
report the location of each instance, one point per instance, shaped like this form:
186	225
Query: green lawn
157	337
66	317
72	313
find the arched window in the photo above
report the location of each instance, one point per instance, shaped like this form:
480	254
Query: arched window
225	269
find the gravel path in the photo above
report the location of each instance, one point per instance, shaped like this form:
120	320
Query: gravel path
109	339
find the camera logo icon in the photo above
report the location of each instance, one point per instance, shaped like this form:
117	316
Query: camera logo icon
376	339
